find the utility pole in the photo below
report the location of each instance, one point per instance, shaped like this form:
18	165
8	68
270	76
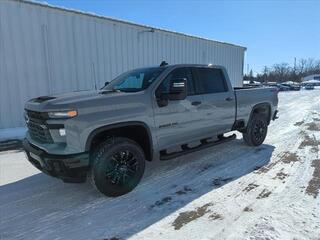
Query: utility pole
295	69
265	73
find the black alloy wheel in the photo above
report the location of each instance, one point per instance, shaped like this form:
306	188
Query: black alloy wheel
256	130
118	165
123	166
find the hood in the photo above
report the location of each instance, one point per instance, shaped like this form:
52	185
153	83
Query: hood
73	100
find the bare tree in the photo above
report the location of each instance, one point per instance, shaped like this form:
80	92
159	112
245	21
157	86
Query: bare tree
282	72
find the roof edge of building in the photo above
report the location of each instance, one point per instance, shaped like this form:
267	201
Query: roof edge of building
42	4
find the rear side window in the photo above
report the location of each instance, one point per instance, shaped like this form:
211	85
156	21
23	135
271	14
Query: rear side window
178	73
211	80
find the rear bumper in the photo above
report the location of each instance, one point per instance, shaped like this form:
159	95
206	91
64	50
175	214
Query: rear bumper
70	168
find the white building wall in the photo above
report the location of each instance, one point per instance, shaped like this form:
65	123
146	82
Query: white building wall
46	50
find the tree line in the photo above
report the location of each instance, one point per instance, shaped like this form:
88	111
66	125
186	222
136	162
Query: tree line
282	72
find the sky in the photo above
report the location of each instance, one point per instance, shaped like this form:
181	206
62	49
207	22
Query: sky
272	31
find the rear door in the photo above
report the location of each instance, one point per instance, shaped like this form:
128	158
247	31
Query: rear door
218	101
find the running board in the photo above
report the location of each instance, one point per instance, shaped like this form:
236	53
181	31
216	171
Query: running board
166	156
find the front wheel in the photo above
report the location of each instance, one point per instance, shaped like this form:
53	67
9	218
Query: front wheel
117	166
256	130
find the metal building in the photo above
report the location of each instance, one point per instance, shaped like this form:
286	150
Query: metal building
45	49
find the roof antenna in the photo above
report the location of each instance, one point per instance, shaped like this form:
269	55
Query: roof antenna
163	63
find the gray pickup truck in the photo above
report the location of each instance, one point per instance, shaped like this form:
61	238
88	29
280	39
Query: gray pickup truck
143	115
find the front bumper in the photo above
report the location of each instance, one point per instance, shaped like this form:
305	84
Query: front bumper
69	168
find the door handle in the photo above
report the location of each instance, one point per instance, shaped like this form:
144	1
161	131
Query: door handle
196	103
229	99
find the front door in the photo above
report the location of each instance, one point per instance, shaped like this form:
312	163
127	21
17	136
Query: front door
176	121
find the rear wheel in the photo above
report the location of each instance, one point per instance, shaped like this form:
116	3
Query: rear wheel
117	166
256	130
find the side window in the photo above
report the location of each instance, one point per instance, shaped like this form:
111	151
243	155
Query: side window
211	80
178	73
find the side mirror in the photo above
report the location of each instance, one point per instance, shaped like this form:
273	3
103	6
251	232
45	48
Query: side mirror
106	83
178	89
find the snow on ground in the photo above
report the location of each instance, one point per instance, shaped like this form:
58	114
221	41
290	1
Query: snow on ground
230	191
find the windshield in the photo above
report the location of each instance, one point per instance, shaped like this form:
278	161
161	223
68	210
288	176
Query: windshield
135	80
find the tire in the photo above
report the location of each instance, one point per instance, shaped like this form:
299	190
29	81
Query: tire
117	166
256	130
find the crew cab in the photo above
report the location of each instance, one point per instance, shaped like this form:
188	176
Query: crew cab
145	114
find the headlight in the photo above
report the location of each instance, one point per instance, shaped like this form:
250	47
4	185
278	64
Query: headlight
63	114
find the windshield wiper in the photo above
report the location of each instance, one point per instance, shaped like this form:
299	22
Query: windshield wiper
109	90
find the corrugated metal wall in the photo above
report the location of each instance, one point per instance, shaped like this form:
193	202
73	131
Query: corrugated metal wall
45	50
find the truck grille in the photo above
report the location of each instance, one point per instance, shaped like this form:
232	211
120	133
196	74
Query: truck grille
37	127
38	117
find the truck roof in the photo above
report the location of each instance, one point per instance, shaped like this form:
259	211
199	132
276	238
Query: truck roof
181	65
191	65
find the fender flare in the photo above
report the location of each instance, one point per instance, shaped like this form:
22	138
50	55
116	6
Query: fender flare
260	105
119	125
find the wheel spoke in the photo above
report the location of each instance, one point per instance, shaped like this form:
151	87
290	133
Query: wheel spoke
127	155
108	173
132	162
124	177
114	162
131	173
116	179
123	166
259	130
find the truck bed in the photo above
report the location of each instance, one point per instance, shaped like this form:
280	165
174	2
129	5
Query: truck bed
248	97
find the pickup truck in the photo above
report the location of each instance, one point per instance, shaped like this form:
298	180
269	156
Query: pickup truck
146	114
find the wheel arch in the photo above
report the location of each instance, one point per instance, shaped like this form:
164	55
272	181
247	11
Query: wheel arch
134	130
261	108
